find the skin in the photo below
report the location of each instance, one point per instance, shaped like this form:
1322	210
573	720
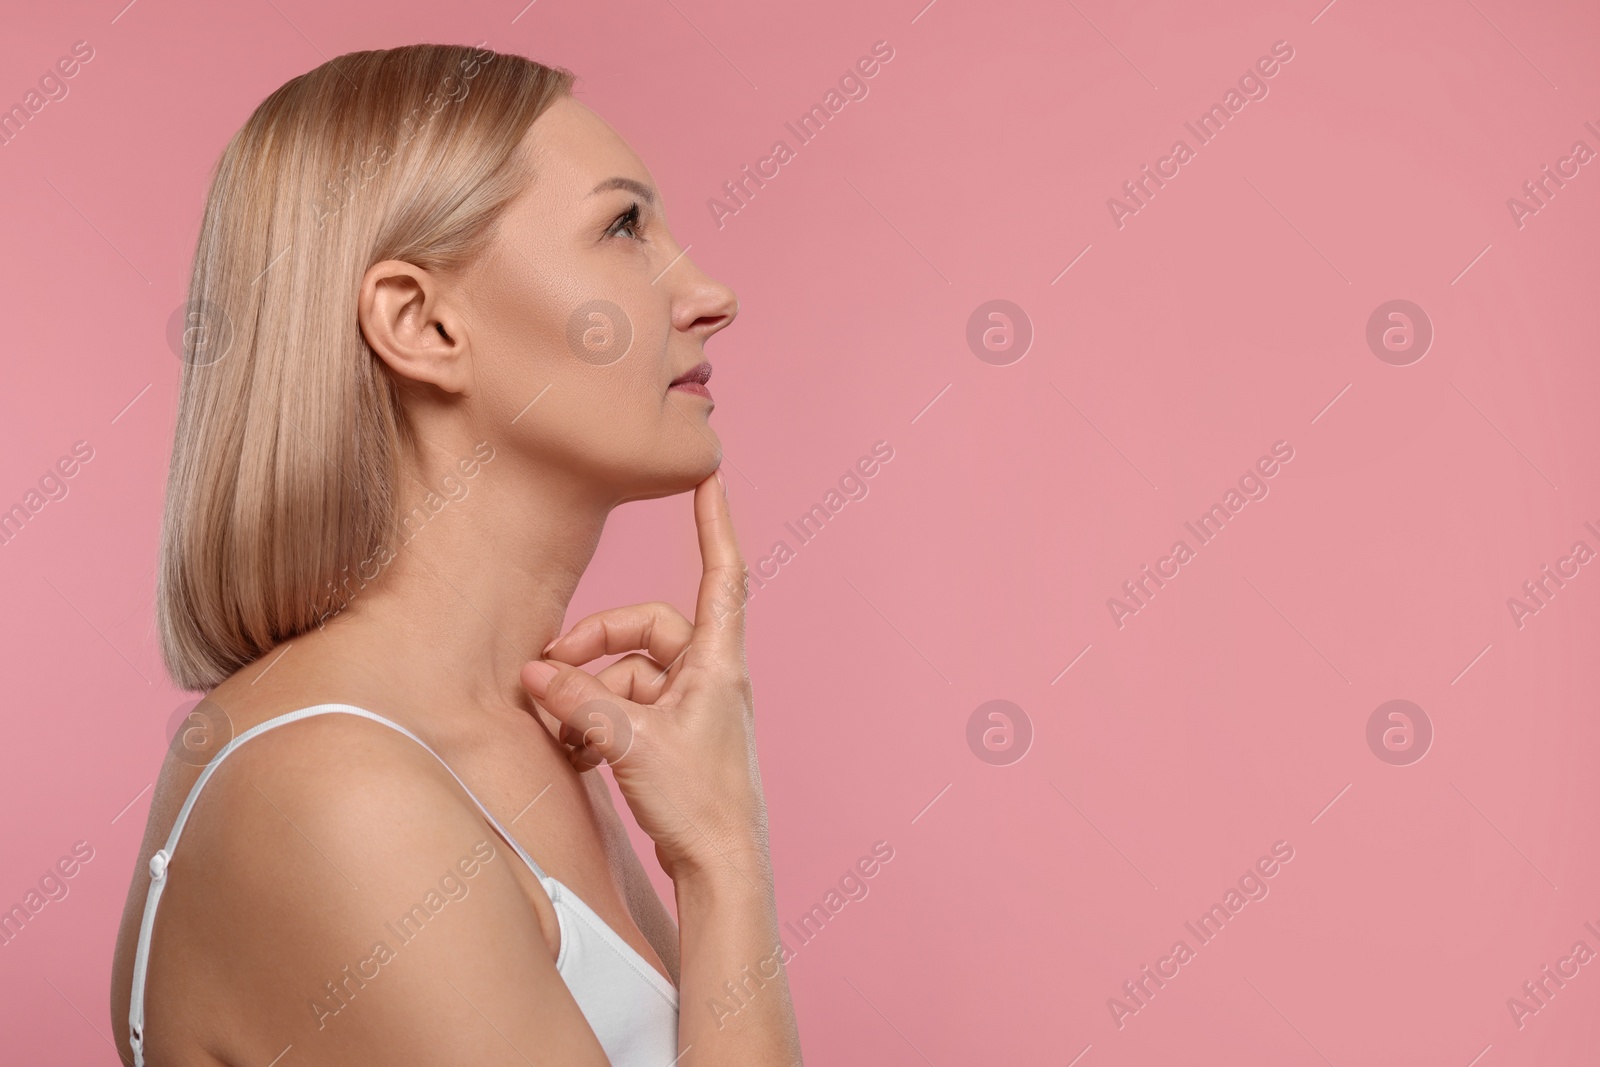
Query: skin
313	836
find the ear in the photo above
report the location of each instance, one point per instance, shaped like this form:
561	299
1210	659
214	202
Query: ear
407	321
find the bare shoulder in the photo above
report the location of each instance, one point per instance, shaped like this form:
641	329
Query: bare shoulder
336	890
342	770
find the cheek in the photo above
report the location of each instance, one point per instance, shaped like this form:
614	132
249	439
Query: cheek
518	350
576	379
612	360
599	333
602	420
591	343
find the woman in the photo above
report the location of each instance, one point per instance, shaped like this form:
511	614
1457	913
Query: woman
440	330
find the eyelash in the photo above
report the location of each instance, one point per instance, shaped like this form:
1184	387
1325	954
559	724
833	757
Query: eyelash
628	219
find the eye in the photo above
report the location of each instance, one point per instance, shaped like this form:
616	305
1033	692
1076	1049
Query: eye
627	222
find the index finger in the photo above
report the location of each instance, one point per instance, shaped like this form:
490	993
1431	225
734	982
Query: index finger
656	627
719	609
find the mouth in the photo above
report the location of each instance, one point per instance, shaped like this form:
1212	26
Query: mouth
694	380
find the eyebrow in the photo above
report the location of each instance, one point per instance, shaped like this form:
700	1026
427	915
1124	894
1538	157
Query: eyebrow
637	188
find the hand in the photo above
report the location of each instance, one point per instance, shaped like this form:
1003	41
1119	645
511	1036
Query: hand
676	726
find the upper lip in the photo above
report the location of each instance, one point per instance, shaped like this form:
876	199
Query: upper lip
700	372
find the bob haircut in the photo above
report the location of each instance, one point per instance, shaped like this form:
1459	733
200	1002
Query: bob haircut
289	429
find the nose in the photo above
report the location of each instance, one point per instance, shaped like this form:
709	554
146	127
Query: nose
704	305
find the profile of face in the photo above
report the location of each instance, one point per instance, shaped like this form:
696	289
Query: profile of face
560	343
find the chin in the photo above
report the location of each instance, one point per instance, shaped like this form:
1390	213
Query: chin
670	475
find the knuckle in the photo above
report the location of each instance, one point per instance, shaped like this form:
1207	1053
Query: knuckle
566	687
735	569
642	731
735	583
606	726
734	677
700	657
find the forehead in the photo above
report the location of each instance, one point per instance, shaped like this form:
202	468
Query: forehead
572	149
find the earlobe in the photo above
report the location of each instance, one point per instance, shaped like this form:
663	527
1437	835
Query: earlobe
408	324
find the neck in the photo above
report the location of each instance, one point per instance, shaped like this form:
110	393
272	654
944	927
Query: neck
474	583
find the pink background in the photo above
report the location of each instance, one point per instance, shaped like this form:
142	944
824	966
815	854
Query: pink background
1226	315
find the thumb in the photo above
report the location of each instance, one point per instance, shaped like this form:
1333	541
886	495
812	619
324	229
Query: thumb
600	721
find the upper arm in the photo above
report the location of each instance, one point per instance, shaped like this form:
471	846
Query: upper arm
367	913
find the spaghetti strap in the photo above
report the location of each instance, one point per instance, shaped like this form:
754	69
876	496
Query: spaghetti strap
163	856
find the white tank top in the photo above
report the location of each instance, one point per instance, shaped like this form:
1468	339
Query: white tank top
632	1009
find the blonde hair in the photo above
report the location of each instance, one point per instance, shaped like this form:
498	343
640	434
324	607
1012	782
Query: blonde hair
289	428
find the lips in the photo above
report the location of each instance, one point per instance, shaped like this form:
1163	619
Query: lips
699	374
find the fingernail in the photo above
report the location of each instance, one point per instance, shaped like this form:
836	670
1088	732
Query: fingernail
546	650
721	480
542	672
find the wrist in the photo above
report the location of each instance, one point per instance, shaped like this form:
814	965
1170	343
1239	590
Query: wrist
726	874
